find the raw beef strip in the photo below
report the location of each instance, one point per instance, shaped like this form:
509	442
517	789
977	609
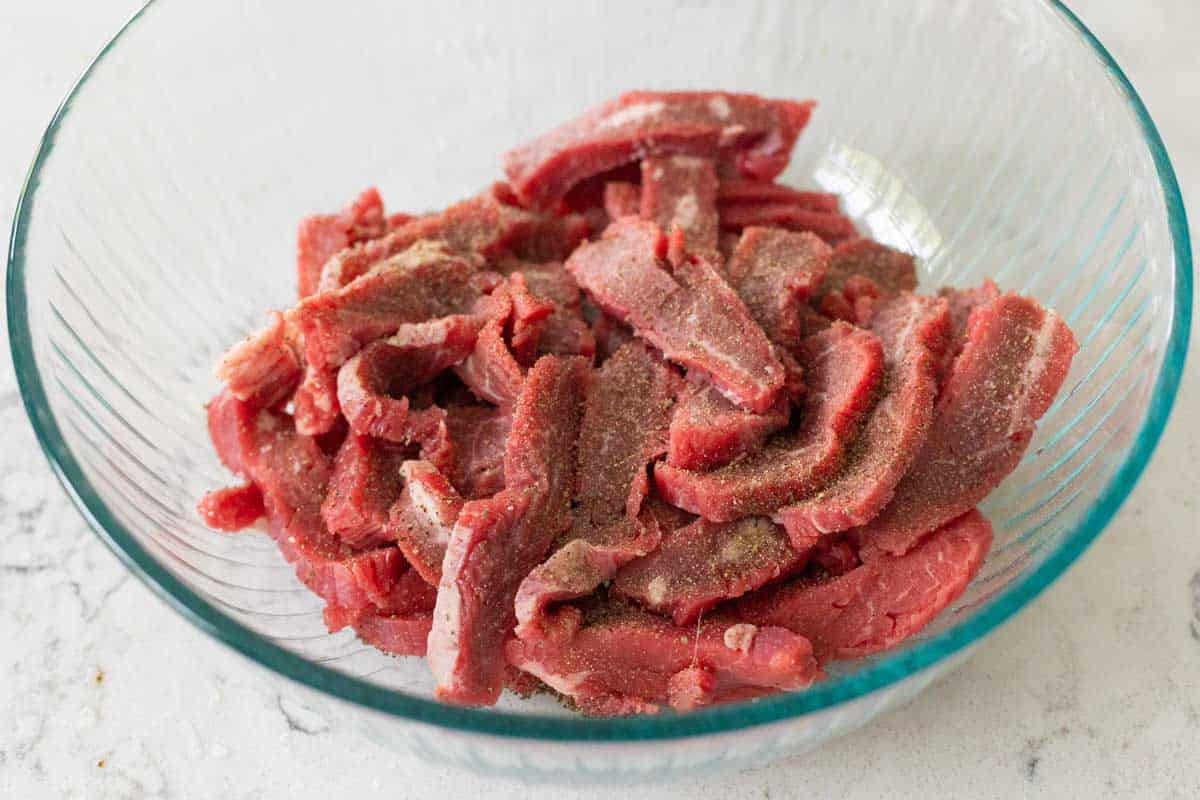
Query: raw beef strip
262	445
622	199
751	134
563	331
497	541
232	508
743	192
699	565
421	284
1016	356
882	602
410	596
478	435
396	634
552	237
679	193
482	224
371	385
364	484
422	518
891	270
775	272
914	332
529	314
842	366
612	658
708	431
322	235
831	226
854	302
624	427
692	316
491	372
265	368
962	303
315	404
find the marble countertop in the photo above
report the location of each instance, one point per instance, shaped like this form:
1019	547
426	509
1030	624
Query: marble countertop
1094	691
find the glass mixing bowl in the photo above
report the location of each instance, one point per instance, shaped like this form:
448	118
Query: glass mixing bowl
157	225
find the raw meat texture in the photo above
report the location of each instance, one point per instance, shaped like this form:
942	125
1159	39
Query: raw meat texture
891	270
410	597
551	238
529	313
692	316
232	508
491	372
746	133
423	516
735	191
775	272
610	334
396	634
842	366
613	658
679	194
962	303
421	284
478	435
262	446
498	540
914	332
698	566
1016	357
854	302
622	199
707	431
265	368
624	428
884	601
483	225
321	236
831	226
315	404
563	331
365	483
372	385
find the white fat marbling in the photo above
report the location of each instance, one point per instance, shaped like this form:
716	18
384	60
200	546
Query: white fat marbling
106	693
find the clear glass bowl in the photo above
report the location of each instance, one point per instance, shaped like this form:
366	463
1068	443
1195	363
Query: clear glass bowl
157	226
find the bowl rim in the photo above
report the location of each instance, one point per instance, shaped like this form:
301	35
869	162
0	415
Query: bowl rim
719	719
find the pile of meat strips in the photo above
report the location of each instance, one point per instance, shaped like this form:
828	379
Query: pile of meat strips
639	425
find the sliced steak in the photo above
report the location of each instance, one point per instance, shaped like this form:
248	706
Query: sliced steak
692	316
842	366
624	428
396	634
611	658
750	134
707	431
491	372
483	224
736	191
552	237
891	270
497	541
1016	356
372	385
701	564
561	332
478	435
679	194
265	368
315	404
365	483
831	226
775	272
884	601
423	516
321	236
914	332
421	284
962	303
232	508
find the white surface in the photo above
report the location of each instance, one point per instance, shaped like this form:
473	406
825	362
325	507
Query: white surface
1092	692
